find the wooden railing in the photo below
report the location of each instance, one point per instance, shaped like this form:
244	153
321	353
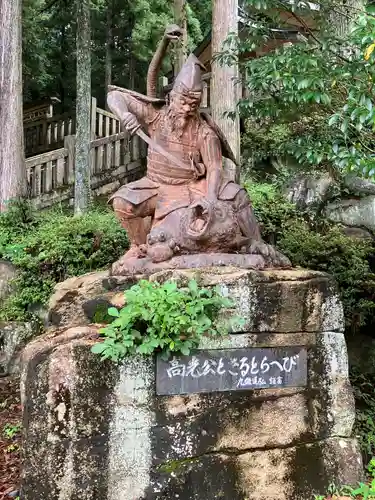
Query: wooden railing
103	123
114	160
48	133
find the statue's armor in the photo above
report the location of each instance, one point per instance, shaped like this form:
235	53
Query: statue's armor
174	186
183	147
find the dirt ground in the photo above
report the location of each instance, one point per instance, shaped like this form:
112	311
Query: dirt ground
10	436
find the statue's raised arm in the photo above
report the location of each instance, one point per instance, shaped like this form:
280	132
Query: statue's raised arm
172	33
134	109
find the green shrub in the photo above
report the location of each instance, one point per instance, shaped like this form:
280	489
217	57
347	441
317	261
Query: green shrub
164	318
345	258
49	247
272	210
312	242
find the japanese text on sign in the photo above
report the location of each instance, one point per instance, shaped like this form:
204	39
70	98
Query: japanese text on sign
234	369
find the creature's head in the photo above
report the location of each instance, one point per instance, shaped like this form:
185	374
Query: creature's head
203	227
205	218
214	225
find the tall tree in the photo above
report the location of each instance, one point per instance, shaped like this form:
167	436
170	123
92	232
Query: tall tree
181	46
83	105
13	182
342	15
224	87
108	47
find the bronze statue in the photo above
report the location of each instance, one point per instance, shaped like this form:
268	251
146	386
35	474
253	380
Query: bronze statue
185	205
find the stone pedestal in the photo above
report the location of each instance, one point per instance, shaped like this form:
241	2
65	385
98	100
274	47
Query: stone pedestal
98	431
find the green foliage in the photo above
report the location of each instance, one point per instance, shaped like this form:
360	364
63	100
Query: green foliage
51	246
363	384
312	99
49	57
345	258
313	243
271	209
11	430
162	317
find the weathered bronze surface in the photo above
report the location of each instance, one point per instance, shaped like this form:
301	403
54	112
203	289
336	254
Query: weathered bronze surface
185	205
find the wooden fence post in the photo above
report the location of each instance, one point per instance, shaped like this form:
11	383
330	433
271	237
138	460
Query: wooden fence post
93	118
69	145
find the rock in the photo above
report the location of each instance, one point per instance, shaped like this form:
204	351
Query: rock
99	430
292	474
359	185
357	232
13	336
272	300
7	274
355	212
74	300
307	191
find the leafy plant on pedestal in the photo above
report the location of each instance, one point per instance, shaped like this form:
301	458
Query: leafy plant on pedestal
164	318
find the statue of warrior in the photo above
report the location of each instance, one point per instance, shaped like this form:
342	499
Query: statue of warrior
185	156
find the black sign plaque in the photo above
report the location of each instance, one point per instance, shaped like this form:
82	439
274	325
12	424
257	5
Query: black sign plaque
232	370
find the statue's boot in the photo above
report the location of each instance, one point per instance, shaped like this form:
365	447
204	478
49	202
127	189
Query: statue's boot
137	234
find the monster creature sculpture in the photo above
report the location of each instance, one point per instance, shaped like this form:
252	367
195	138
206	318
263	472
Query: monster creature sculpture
185	212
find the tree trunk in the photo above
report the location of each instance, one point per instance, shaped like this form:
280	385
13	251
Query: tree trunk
131	71
83	132
13	183
181	46
225	93
108	48
342	15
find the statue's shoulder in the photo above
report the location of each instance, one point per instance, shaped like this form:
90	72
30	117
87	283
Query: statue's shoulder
209	126
205	127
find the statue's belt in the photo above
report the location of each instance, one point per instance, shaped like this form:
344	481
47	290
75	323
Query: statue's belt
159	149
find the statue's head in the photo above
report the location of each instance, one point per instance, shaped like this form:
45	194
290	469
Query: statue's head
186	94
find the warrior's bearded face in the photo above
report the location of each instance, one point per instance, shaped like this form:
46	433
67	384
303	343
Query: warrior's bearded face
182	108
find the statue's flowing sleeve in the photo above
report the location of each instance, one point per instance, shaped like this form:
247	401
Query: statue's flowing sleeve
144	111
122	102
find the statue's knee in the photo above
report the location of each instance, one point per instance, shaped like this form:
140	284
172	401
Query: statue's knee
123	209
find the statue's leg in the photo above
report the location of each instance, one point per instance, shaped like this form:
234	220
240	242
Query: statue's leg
132	218
245	216
250	229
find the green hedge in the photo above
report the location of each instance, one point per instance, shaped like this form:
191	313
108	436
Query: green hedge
49	247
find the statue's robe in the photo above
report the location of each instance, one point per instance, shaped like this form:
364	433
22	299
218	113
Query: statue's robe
199	149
